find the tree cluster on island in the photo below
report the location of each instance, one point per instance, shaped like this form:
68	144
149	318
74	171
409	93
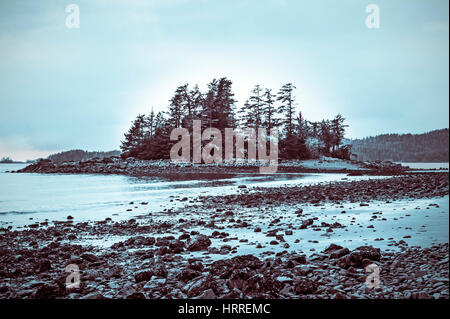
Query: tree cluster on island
6	160
149	135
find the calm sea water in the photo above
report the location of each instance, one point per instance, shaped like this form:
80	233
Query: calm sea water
28	197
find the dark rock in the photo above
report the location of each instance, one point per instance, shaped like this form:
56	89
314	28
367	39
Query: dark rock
339	253
89	257
196	265
299	259
143	275
354	259
208	294
332	247
224	268
136	295
198	243
370	252
304	286
160	270
307	223
187	275
94	295
177	246
47	292
44	265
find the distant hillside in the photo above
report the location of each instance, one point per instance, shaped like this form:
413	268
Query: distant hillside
80	155
427	147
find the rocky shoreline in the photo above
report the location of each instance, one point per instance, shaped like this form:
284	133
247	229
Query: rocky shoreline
160	259
130	271
132	166
413	186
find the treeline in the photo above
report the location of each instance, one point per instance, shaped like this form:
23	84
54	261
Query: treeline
428	147
6	160
149	135
80	155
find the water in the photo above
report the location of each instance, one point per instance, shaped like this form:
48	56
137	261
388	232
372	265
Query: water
27	198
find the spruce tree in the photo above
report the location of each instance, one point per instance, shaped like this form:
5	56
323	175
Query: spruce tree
287	107
269	111
256	106
224	105
150	124
177	107
208	107
302	128
338	130
245	115
134	136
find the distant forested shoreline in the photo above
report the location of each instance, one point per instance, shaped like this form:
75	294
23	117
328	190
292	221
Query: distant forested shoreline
80	155
432	146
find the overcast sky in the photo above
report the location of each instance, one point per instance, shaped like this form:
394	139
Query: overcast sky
64	88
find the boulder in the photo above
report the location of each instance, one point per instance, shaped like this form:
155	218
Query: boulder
304	286
44	265
339	253
199	242
143	275
89	257
225	267
208	294
187	275
47	291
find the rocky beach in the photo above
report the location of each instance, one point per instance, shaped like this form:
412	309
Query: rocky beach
314	241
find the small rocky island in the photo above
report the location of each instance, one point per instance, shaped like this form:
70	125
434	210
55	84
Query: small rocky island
136	167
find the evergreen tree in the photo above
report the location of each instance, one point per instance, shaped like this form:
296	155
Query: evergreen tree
326	136
208	109
196	100
225	105
150	124
218	105
287	107
245	115
160	122
269	110
338	130
256	106
193	100
134	136
302	128
177	107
